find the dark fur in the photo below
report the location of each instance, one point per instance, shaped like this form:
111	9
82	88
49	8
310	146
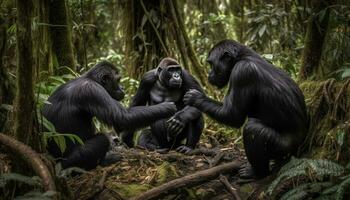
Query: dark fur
190	117
94	94
272	101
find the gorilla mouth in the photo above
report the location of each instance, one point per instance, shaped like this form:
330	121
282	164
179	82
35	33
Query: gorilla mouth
175	84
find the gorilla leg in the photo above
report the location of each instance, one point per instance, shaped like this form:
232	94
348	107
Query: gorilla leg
147	140
159	131
192	133
88	155
261	143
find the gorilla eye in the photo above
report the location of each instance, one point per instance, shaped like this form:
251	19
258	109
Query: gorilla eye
117	78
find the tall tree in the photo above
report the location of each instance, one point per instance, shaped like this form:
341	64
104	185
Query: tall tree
24	101
314	38
145	35
61	34
42	38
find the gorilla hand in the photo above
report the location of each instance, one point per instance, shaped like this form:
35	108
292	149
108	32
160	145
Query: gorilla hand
174	126
192	96
170	105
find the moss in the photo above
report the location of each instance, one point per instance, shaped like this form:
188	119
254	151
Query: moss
328	105
165	171
130	190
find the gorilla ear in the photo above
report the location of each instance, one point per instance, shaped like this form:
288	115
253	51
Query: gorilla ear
159	70
104	79
229	55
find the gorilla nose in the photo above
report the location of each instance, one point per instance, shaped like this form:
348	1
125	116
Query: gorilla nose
176	76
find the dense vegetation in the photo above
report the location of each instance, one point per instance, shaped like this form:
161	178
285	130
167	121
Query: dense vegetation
46	43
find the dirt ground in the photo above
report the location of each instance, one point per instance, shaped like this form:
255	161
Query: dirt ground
140	170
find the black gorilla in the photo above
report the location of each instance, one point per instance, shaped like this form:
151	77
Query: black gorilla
95	94
272	101
168	83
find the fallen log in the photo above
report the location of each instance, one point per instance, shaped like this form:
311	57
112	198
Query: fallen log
189	181
32	158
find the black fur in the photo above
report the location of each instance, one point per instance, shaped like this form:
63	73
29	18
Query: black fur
156	87
94	94
272	101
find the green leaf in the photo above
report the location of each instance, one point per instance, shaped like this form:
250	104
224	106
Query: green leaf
340	138
346	73
262	30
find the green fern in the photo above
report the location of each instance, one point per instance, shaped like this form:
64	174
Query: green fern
298	167
342	188
304	190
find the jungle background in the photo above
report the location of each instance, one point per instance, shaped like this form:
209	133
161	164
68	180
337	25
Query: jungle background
45	43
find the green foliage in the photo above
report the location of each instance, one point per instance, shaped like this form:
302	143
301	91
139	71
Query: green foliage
35	195
317	173
5	178
31	181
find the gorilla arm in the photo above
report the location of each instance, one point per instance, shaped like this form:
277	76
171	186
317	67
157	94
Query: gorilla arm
234	108
188	113
98	102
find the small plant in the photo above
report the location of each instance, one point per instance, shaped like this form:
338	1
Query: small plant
323	179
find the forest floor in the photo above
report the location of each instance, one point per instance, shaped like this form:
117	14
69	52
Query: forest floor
140	170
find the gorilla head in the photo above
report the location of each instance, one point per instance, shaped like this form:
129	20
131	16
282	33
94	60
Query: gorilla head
170	73
108	76
222	57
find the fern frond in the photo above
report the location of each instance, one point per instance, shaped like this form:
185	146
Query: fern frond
342	188
303	190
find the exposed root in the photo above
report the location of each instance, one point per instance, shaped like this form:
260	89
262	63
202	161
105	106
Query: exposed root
32	158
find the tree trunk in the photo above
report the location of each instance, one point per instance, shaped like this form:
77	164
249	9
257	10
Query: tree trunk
61	35
314	39
42	41
145	36
24	102
197	68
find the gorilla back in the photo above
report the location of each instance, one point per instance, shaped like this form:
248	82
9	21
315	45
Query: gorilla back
95	94
272	101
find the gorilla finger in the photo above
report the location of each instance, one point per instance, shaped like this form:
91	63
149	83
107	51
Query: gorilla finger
177	130
179	149
170	120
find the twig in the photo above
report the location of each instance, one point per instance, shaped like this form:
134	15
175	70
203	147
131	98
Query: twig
189	181
101	183
32	158
216	159
229	187
204	151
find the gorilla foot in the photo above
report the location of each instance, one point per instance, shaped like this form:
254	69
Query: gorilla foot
110	159
184	149
246	172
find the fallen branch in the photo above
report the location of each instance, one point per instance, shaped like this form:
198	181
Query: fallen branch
32	158
229	187
216	159
189	181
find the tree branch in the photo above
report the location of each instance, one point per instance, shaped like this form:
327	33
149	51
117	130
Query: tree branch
189	181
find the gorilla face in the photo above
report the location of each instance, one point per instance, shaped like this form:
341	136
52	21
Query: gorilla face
220	69
171	76
111	84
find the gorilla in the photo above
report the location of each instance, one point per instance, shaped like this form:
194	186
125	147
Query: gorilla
168	83
266	95
96	93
